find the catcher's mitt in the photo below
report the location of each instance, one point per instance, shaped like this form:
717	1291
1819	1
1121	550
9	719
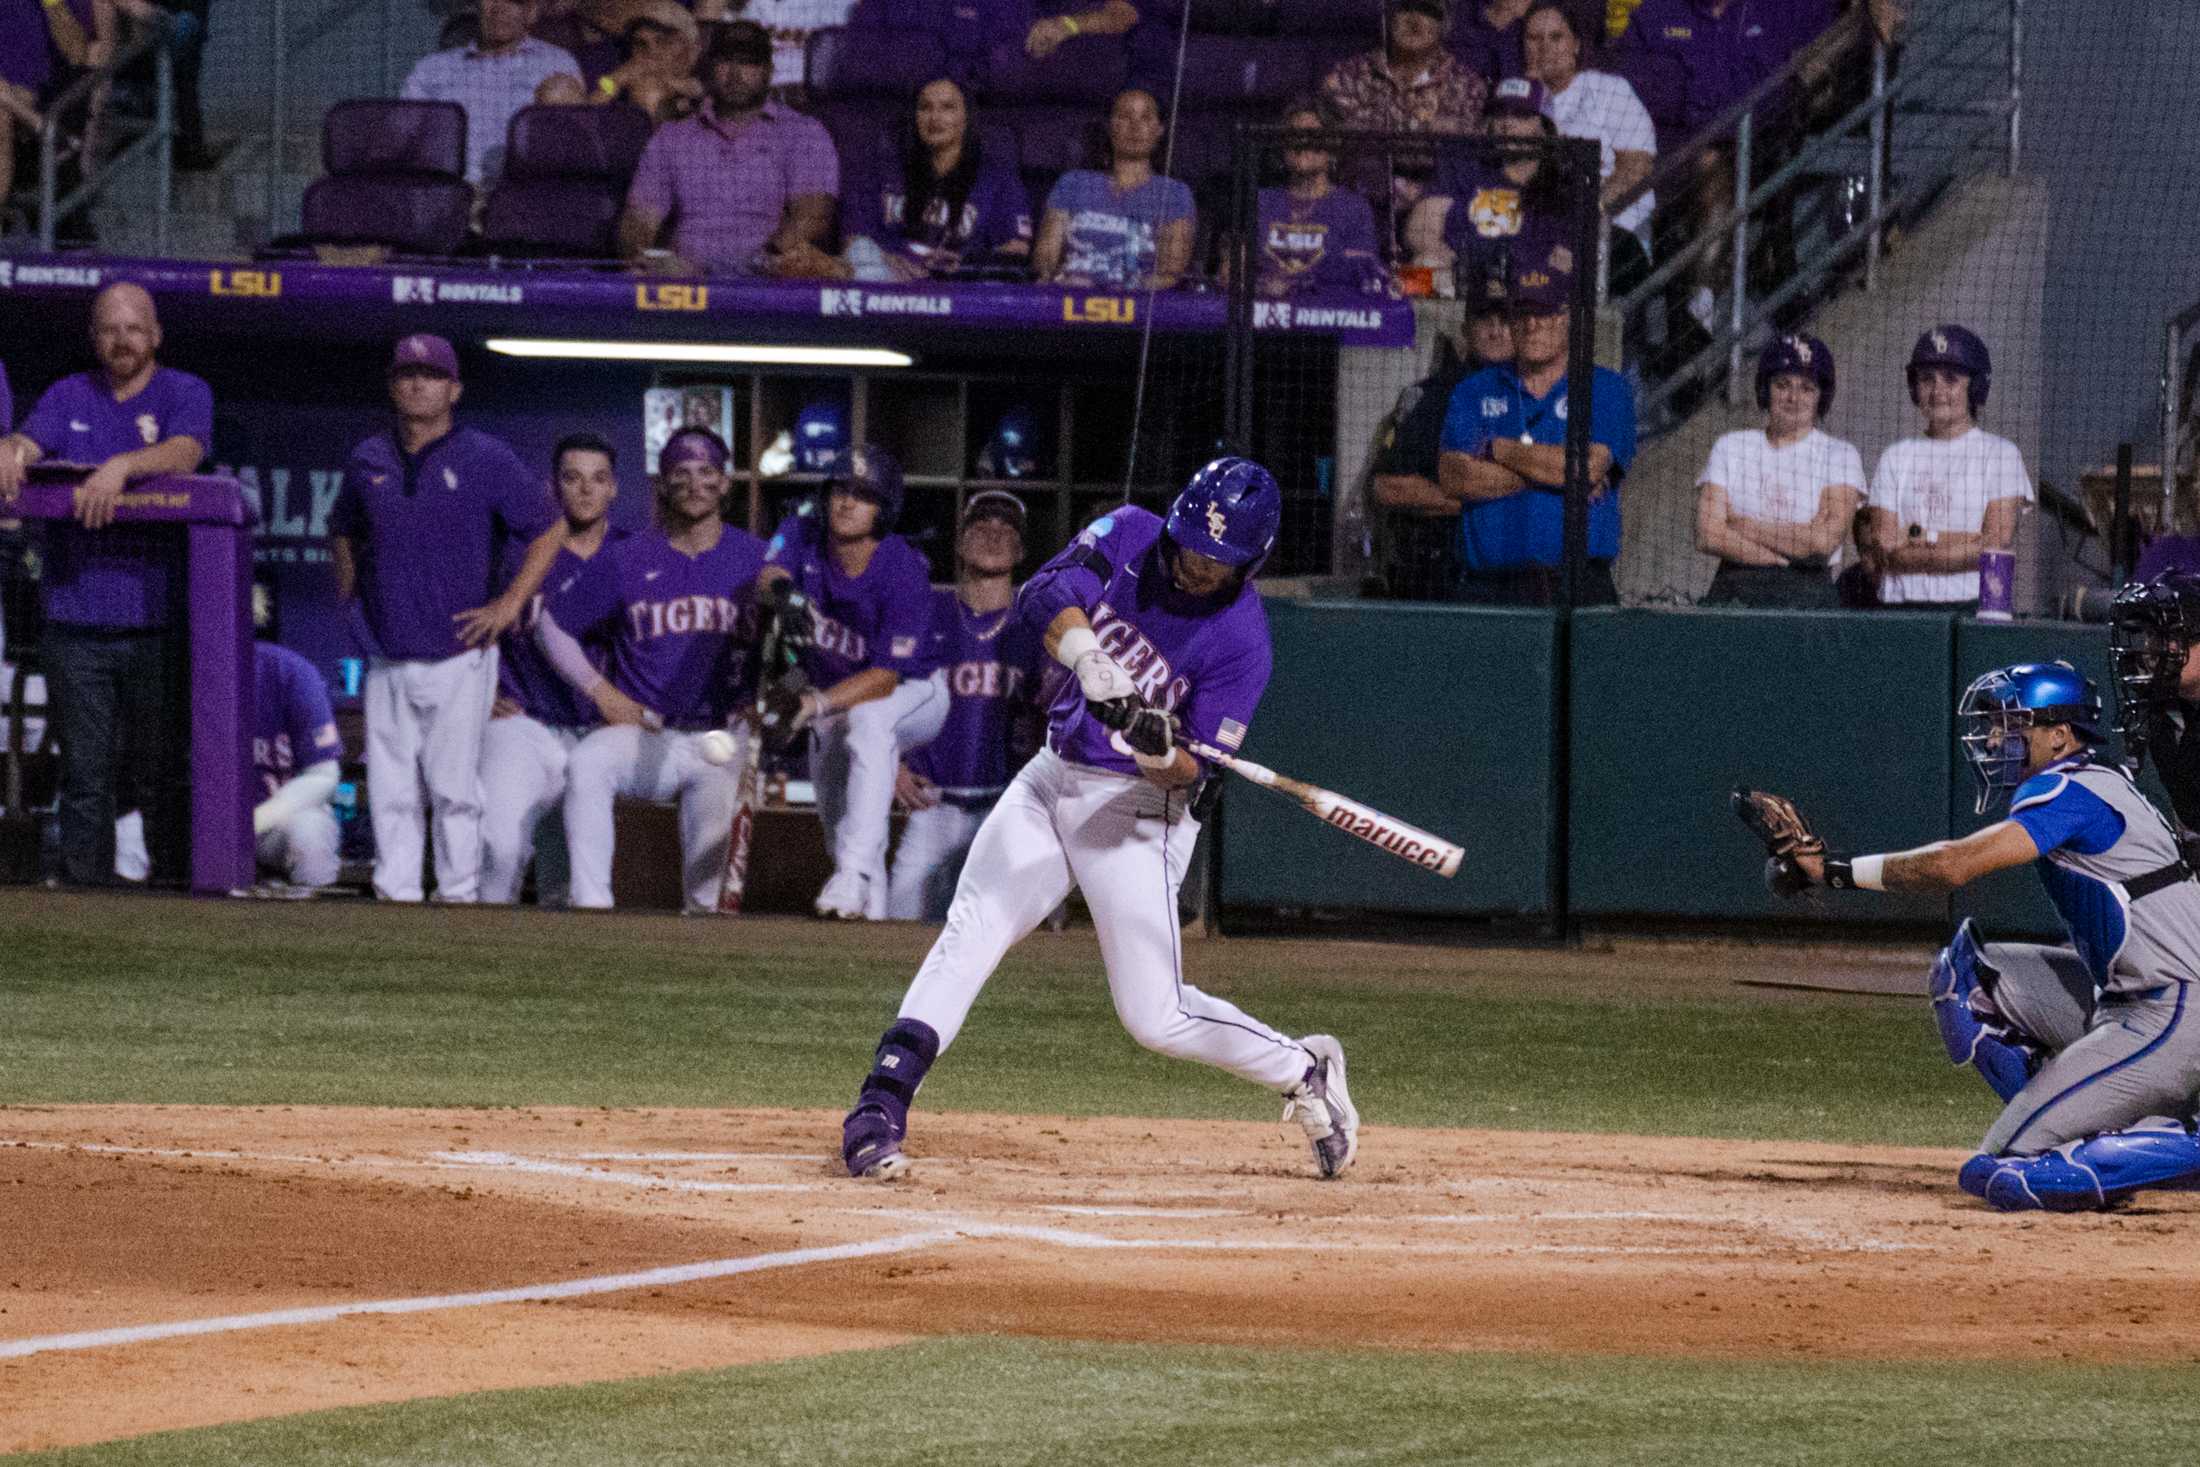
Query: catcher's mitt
1774	820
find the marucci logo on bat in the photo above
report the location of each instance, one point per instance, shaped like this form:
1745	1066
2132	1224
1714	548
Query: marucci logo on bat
1404	847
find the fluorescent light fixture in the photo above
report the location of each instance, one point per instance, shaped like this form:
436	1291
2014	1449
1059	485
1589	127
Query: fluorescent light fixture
694	351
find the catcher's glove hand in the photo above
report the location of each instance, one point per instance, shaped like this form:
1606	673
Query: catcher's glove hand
784	711
1774	820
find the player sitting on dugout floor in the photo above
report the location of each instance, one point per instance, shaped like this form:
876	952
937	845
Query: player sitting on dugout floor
2091	1046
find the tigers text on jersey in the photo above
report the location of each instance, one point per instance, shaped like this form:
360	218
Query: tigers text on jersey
878	619
679	625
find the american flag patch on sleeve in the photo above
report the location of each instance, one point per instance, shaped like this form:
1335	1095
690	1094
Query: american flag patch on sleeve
1231	734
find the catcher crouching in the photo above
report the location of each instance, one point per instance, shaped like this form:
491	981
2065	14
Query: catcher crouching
2094	1048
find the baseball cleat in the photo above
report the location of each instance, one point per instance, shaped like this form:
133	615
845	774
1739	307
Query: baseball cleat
870	1144
1323	1107
842	898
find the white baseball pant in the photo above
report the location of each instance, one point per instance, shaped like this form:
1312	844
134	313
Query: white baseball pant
523	767
303	848
642	765
424	724
852	767
929	860
1125	843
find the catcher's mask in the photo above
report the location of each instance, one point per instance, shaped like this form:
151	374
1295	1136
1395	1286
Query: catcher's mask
1998	707
2152	626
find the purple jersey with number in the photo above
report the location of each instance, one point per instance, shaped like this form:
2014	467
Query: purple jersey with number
992	661
524	674
679	625
878	619
118	577
294	727
1206	662
428	530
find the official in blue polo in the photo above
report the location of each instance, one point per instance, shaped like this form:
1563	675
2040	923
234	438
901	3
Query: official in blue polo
1504	451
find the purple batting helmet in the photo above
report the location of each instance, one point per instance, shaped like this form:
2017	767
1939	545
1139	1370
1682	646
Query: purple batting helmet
869	472
1956	347
1804	355
1229	511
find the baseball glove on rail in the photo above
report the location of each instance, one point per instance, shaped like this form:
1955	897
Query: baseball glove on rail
1774	820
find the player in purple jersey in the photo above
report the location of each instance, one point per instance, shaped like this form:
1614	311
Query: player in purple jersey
866	596
110	647
296	754
538	718
1163	632
414	537
676	605
990	659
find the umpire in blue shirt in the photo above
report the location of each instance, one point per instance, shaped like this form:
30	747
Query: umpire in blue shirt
1504	451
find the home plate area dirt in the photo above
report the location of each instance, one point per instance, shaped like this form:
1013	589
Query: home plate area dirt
182	1266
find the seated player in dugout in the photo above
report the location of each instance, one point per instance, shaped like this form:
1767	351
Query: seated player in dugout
1504	451
2092	1047
296	761
857	613
1774	503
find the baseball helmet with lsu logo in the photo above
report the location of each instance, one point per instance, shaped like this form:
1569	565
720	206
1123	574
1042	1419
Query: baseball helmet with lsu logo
869	472
1229	511
1804	355
1956	347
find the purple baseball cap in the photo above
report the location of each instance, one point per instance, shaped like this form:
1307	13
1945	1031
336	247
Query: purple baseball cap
693	446
429	353
1519	96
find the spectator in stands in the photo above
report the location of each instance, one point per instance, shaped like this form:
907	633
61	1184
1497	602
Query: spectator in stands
937	202
1489	36
109	648
1599	105
1411	84
1420	532
1476	206
1774	503
790	24
1128	228
413	537
749	183
1937	501
11	531
1504	452
656	63
1109	18
25	67
493	78
1313	234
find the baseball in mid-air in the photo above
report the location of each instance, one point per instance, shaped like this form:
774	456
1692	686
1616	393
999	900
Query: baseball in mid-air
718	746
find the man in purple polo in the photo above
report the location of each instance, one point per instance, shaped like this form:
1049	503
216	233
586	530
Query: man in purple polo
415	534
110	657
748	184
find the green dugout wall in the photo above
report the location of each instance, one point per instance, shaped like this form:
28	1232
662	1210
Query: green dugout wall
1468	720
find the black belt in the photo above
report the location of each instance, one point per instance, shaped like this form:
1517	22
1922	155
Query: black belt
2159	879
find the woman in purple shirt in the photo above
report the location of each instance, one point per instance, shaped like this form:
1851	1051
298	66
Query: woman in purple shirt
1125	229
938	202
1313	234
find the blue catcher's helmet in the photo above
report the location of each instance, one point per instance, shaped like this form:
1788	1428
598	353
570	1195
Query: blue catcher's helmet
1957	347
1013	450
820	435
1229	511
1806	355
1998	707
869	472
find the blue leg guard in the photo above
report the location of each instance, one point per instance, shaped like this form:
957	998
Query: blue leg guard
1960	971
2088	1175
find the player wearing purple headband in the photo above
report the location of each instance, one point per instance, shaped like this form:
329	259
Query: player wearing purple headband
675	604
863	613
990	659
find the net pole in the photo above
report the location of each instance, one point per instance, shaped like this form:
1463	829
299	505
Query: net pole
1579	163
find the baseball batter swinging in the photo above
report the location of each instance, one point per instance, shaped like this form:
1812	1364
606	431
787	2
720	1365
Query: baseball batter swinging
2092	1046
1161	629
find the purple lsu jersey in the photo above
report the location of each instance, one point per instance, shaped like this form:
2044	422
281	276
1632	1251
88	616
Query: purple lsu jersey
1207	664
293	726
426	529
992	661
878	619
678	625
524	674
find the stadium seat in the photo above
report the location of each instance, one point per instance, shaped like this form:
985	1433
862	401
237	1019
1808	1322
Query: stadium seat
1359	20
1052	140
396	177
1232	71
841	62
1088	69
1212	17
566	172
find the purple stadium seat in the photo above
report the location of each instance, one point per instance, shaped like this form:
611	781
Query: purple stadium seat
1358	20
842	62
1051	140
1236	70
1203	146
415	213
566	170
1213	17
378	136
1087	69
576	142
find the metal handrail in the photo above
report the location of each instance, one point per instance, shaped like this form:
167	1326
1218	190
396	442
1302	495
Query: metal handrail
160	137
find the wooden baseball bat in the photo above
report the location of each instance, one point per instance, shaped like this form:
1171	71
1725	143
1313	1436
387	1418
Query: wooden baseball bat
1386	833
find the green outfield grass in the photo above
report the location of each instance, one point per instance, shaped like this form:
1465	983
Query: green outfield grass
995	1402
166	1000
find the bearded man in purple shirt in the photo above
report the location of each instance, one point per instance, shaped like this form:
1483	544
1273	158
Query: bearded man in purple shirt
1162	632
863	609
108	588
676	604
416	534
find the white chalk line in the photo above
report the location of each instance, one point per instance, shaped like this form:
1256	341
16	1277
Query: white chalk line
685	1273
506	1161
